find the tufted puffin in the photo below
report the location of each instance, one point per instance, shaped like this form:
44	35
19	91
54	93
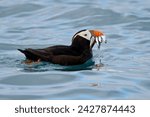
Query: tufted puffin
77	53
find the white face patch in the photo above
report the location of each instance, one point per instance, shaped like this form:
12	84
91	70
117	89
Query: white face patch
93	36
85	34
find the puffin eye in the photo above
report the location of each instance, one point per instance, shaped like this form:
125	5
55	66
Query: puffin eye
85	34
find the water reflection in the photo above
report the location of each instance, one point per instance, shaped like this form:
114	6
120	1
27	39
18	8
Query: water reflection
123	72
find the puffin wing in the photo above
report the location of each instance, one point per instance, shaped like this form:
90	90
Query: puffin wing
71	59
57	55
35	54
44	54
66	60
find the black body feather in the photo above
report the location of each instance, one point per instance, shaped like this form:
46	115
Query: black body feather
77	53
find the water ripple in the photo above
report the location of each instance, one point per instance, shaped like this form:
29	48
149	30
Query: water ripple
124	69
17	9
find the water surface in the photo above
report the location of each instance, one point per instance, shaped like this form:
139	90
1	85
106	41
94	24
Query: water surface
125	59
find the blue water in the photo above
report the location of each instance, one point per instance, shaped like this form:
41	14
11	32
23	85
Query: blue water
124	72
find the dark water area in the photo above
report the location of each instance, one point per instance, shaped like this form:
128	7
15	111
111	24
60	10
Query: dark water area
124	72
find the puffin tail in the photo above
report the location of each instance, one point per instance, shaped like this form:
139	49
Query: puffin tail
28	54
22	51
33	54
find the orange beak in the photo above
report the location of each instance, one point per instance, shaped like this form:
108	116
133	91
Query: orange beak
96	33
97	37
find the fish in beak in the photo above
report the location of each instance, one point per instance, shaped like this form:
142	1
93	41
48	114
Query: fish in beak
97	37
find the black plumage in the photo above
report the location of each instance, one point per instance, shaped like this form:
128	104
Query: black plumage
77	53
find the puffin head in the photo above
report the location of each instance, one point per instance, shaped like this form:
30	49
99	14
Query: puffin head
93	36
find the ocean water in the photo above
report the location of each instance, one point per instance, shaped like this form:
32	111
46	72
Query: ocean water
124	72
